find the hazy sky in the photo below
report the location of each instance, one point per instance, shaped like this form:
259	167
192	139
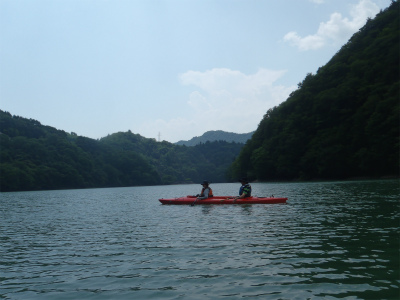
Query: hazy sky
174	67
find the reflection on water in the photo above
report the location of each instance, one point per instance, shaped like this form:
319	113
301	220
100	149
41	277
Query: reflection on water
331	240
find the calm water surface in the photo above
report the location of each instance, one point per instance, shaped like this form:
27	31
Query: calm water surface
332	240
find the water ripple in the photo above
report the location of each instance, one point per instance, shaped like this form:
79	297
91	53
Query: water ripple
331	240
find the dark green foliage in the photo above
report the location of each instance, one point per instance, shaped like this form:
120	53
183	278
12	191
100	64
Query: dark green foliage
342	122
180	164
37	157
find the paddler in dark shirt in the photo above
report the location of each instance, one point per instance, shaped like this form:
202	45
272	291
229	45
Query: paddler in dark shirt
206	191
245	189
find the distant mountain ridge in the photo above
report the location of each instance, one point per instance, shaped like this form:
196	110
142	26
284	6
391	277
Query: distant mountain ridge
218	135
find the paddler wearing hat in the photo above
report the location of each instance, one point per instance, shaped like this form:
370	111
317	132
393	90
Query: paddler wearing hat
206	191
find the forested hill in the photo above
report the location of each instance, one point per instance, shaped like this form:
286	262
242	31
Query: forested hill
218	135
38	157
342	122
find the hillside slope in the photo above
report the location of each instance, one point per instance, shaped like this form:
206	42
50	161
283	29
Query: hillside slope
342	122
38	157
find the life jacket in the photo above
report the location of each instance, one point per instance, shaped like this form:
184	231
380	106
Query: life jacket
246	187
210	193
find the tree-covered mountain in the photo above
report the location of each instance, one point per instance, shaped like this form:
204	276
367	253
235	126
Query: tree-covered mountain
342	122
180	164
217	135
38	157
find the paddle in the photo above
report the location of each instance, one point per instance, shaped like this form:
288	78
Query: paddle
193	202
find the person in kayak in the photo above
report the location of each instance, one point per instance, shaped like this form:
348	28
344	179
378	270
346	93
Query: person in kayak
206	191
245	189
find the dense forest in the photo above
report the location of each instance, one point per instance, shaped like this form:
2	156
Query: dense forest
38	157
342	122
217	135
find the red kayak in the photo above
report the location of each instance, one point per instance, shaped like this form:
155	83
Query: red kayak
191	200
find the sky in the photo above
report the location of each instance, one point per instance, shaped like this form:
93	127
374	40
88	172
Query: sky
165	69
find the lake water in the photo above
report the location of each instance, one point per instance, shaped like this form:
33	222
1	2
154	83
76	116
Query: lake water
332	240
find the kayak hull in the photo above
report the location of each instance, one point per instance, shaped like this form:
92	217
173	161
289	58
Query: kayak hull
189	200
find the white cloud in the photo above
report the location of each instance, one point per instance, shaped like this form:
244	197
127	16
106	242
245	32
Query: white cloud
337	30
226	93
225	99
